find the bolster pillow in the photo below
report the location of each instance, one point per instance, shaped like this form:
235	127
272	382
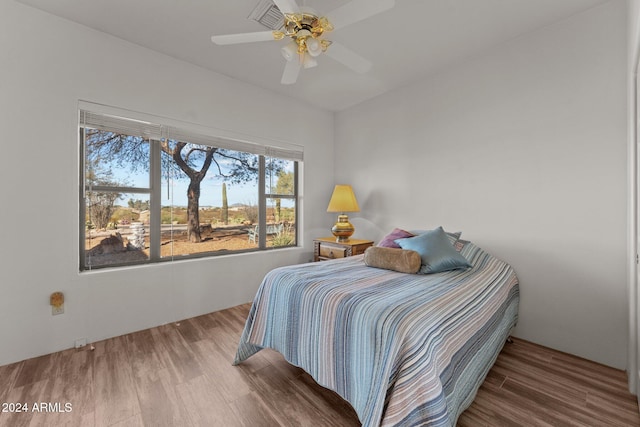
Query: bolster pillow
401	260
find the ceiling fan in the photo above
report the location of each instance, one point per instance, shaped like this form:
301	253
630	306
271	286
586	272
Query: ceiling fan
306	31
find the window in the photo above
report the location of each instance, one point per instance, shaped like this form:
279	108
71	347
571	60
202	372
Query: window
153	192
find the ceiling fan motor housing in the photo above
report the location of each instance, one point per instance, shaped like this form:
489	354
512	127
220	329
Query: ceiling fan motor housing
305	29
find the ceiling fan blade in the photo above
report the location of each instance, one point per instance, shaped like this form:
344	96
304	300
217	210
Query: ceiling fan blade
260	36
287	6
357	10
291	71
348	57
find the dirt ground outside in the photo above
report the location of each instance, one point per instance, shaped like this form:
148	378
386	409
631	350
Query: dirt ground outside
219	239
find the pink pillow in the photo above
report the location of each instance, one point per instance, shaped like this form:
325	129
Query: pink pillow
397	233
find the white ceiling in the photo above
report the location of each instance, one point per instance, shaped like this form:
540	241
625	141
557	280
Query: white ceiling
412	40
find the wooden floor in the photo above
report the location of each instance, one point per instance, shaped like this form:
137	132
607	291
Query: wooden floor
181	375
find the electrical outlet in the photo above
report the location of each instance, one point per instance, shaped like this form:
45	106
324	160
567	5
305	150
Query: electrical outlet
81	342
59	309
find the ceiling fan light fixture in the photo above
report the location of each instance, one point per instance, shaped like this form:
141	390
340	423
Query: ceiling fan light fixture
313	46
290	51
308	61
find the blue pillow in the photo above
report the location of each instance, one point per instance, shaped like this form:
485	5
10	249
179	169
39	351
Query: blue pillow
436	251
453	237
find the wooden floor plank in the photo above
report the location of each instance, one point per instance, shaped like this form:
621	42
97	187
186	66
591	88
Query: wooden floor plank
181	374
38	369
176	354
232	383
8	376
251	410
531	372
76	367
116	399
205	404
25	397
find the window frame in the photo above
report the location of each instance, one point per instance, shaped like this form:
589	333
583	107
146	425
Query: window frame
291	152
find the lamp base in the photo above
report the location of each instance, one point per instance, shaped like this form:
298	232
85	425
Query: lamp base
342	229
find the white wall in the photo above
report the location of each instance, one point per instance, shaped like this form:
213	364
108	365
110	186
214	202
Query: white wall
524	150
48	64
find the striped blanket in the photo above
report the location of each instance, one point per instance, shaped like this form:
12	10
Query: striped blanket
402	349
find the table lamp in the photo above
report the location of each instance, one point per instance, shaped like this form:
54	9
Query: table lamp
343	200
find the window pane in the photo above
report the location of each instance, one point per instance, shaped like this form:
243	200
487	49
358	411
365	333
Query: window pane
116	228
280	177
281	226
209	200
116	160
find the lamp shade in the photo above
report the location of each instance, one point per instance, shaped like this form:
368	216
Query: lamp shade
343	200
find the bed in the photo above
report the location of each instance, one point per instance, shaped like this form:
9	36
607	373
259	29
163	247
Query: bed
402	349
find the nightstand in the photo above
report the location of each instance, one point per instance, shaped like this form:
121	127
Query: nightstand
326	248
